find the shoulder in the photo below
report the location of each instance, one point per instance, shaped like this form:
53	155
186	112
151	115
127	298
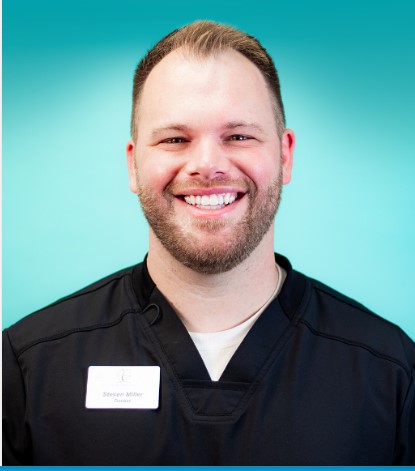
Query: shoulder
330	316
334	316
97	305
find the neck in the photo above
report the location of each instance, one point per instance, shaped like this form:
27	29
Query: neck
212	303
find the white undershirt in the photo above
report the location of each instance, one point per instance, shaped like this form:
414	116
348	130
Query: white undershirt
217	348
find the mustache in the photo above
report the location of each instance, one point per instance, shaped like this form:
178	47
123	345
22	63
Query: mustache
177	187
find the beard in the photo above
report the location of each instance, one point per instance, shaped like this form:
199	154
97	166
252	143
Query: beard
226	251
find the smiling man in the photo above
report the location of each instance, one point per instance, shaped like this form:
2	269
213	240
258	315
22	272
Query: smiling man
213	351
208	163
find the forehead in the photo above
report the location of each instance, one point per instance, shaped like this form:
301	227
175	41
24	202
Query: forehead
182	81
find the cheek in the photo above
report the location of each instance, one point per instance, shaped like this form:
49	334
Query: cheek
263	172
156	173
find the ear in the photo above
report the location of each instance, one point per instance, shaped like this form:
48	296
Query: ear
287	154
130	151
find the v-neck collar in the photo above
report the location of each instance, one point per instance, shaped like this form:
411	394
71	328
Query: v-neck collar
251	356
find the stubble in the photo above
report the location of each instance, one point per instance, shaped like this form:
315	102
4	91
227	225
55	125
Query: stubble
224	252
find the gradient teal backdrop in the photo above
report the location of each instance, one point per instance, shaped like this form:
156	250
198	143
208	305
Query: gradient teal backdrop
347	70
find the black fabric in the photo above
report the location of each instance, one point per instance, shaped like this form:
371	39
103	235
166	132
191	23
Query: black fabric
319	380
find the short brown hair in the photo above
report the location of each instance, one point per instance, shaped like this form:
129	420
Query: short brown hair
204	38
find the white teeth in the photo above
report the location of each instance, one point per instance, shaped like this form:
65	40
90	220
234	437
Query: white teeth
211	201
205	200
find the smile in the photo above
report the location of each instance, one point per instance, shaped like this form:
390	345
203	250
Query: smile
214	201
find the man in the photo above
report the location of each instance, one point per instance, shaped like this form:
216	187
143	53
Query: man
213	351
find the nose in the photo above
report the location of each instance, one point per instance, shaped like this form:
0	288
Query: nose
207	159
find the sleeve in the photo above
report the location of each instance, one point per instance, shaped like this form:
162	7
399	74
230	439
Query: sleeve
14	404
405	441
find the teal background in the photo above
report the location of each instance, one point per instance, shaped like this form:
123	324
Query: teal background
348	72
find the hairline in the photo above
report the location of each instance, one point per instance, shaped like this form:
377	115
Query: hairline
191	53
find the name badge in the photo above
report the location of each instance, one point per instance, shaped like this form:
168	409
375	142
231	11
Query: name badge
123	387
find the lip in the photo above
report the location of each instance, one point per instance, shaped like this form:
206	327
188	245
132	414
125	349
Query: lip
209	191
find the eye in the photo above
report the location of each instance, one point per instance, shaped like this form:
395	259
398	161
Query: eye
238	137
174	140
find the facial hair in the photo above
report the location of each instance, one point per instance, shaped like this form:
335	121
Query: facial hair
225	252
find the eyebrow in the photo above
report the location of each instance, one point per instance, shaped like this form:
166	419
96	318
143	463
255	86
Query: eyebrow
169	127
229	126
243	124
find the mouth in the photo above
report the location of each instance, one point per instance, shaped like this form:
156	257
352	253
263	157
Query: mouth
212	201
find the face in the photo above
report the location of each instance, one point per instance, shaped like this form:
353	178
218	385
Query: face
207	164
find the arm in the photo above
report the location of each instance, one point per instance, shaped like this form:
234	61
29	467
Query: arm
14	407
405	434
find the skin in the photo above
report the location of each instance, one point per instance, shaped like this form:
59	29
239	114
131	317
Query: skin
207	126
